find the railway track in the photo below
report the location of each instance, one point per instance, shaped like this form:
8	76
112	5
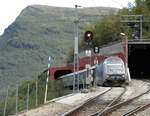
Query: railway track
96	103
118	109
121	104
136	110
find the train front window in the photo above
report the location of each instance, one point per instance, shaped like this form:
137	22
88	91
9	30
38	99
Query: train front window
114	68
112	61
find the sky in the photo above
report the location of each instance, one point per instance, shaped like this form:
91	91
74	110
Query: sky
10	9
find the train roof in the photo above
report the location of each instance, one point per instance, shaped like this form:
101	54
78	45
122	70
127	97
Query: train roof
113	59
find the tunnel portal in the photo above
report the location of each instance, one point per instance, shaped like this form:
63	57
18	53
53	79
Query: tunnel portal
60	73
139	59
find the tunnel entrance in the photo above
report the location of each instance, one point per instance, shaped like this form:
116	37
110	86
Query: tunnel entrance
60	73
139	59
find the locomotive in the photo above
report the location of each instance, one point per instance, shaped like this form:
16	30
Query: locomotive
111	72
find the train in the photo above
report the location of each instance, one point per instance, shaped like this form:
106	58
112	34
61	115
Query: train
111	72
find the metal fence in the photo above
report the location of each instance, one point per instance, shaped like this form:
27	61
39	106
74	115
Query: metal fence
27	95
14	100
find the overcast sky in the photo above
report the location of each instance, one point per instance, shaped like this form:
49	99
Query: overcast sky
10	9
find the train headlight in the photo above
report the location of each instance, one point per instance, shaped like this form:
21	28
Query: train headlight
123	75
107	76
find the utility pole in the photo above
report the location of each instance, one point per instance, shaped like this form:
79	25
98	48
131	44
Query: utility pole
76	54
141	31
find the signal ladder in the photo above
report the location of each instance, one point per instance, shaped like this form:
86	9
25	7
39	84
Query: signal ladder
76	82
76	74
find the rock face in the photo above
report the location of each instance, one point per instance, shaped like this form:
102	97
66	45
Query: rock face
37	32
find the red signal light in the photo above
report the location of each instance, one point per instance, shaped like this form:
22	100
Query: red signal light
88	36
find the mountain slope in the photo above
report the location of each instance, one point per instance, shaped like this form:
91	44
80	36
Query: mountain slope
37	32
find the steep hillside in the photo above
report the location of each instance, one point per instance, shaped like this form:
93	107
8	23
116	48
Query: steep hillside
37	32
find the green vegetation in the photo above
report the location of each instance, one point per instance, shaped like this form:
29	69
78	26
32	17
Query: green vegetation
37	32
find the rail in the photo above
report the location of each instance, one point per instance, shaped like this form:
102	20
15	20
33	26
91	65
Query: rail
91	100
86	102
136	110
117	106
99	113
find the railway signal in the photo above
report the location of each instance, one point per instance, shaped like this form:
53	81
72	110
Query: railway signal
88	36
96	49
